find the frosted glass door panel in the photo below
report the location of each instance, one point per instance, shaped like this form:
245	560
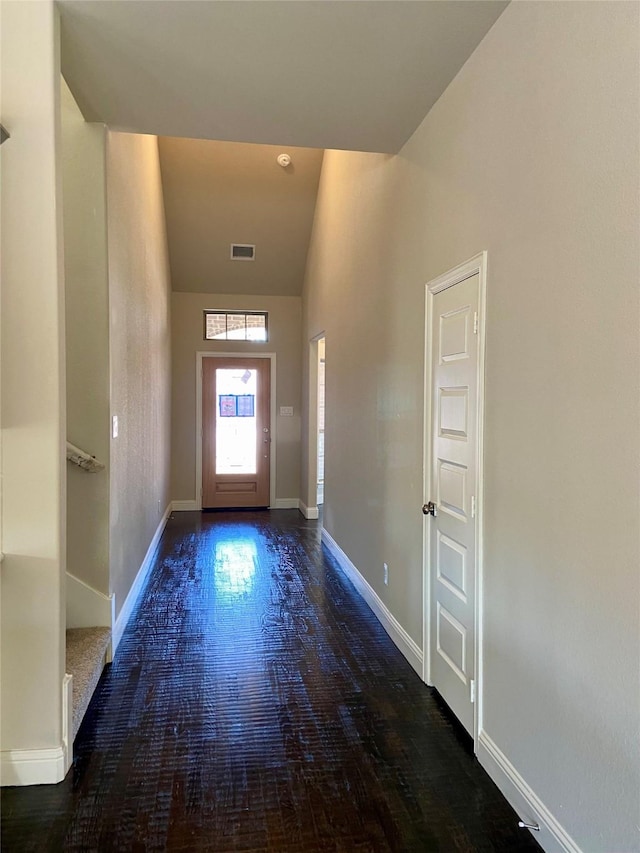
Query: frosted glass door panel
236	432
236	421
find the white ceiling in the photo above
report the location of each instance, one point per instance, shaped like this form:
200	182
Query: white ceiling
353	74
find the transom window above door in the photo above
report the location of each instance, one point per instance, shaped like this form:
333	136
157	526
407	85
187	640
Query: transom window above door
235	326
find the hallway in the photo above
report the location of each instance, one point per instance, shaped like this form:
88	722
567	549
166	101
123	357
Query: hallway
256	704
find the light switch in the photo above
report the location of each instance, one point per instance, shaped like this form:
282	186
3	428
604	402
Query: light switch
286	411
114	426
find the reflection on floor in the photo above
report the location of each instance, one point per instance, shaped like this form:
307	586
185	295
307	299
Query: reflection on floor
256	704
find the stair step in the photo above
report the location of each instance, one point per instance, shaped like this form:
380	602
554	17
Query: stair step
86	653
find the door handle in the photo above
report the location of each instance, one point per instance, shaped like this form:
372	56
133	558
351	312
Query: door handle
430	509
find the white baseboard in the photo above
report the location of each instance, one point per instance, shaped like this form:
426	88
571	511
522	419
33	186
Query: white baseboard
191	506
286	503
409	648
67	720
42	766
139	583
309	512
33	766
184	506
552	837
87	607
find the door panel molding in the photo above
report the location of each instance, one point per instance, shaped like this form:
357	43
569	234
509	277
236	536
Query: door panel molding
476	265
272	408
447	636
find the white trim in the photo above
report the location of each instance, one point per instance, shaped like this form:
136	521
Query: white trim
552	837
44	766
482	260
139	583
310	512
88	607
474	266
67	720
273	425
184	506
286	503
233	257
33	766
426	490
192	506
409	648
312	421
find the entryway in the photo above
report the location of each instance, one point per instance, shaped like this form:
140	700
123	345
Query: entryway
236	432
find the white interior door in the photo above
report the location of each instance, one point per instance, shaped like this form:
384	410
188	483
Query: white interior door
450	508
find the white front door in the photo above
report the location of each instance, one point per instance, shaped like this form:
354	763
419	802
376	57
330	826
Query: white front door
452	483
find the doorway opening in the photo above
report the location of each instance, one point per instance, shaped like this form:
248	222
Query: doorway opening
237	452
313	495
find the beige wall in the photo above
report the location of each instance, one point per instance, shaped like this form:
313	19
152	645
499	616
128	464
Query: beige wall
284	340
532	154
33	417
87	340
140	353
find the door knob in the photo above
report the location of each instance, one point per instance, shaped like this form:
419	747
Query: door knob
430	509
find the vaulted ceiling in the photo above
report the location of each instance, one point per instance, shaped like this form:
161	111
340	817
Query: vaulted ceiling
353	74
218	193
212	76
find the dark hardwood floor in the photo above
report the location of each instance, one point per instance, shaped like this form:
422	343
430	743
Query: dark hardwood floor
256	704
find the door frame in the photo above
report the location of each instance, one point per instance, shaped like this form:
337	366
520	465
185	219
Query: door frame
309	507
272	415
320	362
476	265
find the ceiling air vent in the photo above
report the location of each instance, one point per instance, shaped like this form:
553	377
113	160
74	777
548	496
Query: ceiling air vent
243	252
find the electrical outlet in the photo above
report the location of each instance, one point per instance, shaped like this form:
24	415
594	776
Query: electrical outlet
386	574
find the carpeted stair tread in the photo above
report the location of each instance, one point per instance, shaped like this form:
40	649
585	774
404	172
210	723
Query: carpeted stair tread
86	649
